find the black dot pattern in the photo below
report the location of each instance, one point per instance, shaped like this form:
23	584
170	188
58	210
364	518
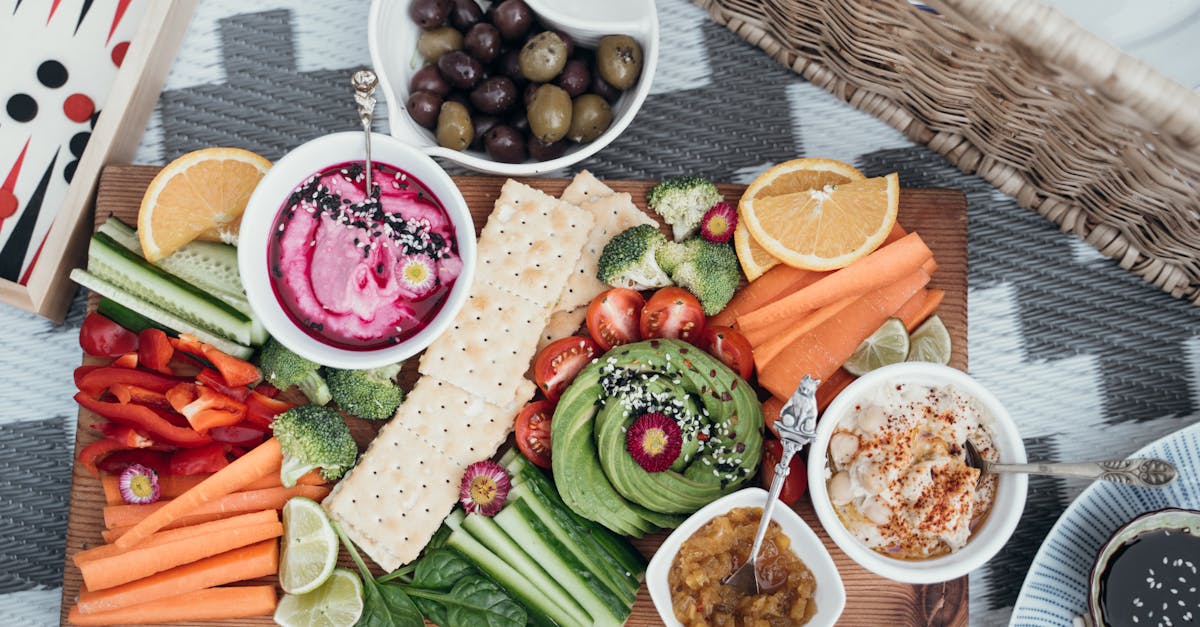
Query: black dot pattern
52	74
22	107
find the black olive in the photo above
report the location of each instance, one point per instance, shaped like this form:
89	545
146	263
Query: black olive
482	124
424	107
505	144
510	66
513	18
541	151
494	95
429	13
603	89
465	14
575	78
483	42
428	79
460	69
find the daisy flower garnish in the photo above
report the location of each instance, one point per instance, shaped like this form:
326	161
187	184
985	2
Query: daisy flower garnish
417	275
484	488
139	485
654	441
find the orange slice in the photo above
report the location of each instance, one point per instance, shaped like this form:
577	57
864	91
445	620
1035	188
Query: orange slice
825	228
787	177
201	193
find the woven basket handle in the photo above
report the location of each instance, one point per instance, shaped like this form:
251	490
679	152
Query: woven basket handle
1170	107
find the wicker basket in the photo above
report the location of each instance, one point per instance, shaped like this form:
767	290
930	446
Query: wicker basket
1012	90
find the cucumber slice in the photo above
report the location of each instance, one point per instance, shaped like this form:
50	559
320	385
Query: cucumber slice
538	606
487	532
129	318
154	312
522	525
112	262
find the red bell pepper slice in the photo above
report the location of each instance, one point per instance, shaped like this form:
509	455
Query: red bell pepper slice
127	436
116	462
172	417
267	390
90	454
214	380
235	371
95	382
126	393
181	395
82	370
155	350
243	434
101	337
128	360
261	409
144	419
189	344
213	409
196	461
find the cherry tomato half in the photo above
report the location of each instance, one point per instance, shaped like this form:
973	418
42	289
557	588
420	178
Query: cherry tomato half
612	318
731	347
101	337
556	366
797	479
533	432
673	312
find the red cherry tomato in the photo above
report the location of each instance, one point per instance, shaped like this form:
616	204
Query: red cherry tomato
101	337
556	366
533	432
731	347
612	318
797	479
673	312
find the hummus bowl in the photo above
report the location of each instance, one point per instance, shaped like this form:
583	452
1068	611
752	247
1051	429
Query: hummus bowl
888	481
829	594
352	284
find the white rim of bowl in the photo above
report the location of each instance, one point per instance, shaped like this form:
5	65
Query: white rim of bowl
984	542
264	205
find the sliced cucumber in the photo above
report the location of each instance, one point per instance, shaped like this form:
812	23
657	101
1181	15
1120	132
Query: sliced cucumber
155	313
539	607
114	263
487	532
522	525
129	318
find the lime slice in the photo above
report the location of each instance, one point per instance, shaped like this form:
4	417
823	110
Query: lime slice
888	345
930	342
310	546
336	603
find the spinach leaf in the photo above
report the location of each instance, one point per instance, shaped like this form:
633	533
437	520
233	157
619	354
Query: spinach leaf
434	611
475	600
440	570
388	606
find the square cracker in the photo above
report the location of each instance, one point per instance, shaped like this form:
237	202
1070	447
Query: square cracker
452	420
489	345
584	187
612	214
395	499
529	239
562	324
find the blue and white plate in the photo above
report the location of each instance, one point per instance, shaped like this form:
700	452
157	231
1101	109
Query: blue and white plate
1055	589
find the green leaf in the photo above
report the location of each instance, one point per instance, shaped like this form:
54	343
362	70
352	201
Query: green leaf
433	610
482	602
388	606
440	570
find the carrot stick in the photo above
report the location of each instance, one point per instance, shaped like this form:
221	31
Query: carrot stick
822	351
263	460
833	386
207	604
771	409
183	533
911	307
236	503
106	572
112	488
777	336
881	268
249	562
171	486
932	300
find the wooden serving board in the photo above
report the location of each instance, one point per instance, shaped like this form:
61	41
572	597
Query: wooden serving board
938	215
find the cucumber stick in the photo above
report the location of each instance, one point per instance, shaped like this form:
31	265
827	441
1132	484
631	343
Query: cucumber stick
114	263
541	610
210	266
157	314
487	532
129	318
520	523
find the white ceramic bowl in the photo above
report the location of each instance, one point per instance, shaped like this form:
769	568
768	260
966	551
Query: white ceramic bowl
830	593
1000	523
392	38
266	202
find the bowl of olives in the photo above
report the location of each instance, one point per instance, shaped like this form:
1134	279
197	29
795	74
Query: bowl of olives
513	87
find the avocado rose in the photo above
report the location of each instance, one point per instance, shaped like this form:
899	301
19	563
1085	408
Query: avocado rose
719	423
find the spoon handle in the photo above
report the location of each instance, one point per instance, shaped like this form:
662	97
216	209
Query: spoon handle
781	472
1137	472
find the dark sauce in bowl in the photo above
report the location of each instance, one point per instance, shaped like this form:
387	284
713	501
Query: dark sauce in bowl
359	271
1154	579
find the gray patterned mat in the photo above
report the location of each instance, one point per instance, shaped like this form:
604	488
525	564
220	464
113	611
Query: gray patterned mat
1086	357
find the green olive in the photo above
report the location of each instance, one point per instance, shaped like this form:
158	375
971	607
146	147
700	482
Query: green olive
590	117
619	60
543	57
454	128
434	43
549	113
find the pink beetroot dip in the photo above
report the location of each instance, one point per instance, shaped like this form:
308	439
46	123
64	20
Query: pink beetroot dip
358	272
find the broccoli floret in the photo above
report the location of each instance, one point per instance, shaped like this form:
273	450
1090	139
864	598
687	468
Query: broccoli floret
370	394
669	256
710	271
313	437
682	201
283	369
628	259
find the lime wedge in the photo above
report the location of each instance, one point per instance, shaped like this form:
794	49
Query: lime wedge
888	345
310	546
930	342
336	603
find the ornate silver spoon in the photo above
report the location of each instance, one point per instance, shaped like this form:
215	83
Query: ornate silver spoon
1146	473
364	83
